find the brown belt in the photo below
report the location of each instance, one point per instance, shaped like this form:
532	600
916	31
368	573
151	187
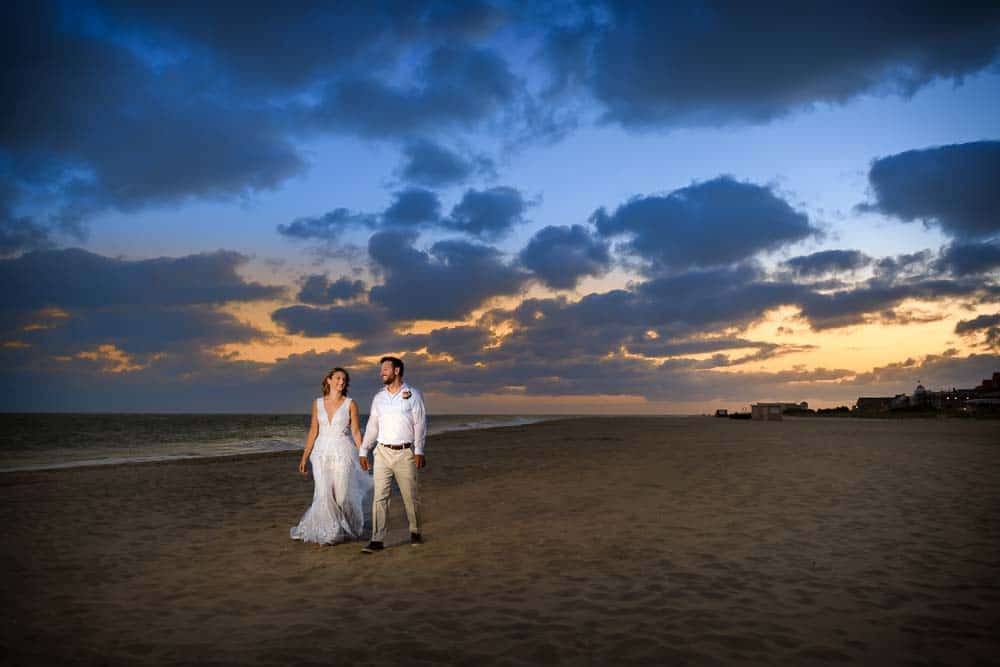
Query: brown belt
405	445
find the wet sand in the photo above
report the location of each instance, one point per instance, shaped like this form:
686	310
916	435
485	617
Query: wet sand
591	541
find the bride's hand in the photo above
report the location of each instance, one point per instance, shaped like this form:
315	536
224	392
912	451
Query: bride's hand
302	467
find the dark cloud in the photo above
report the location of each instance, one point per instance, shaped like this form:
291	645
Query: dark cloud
560	256
19	233
710	223
978	323
986	325
873	298
445	283
318	290
327	227
75	278
211	102
484	214
413	206
827	262
64	304
675	309
135	329
430	164
456	87
708	64
352	321
935	371
570	375
956	187
198	381
464	344
966	259
22	234
487	214
83	95
908	265
248	42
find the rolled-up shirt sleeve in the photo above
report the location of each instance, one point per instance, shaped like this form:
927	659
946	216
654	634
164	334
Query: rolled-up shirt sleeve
371	430
419	424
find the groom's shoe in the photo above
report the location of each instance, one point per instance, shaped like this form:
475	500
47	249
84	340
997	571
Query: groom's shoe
416	540
372	547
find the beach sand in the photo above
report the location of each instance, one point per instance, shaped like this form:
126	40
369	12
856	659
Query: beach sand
588	541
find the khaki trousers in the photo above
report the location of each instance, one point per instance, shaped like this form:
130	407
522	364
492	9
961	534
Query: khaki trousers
394	464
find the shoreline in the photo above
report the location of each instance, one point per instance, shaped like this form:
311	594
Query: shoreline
191	459
158	459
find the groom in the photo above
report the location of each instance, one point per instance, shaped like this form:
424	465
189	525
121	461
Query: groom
398	423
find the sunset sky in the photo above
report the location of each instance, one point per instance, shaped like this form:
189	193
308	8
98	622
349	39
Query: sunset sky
564	207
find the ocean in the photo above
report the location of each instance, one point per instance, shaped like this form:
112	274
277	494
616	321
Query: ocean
40	441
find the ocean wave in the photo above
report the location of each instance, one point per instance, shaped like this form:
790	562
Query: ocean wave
184	440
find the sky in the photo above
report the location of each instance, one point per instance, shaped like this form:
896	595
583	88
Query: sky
558	207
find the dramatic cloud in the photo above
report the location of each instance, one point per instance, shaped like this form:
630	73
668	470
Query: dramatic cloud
21	234
82	97
853	306
935	371
483	214
648	317
432	165
75	278
328	227
955	187
352	321
457	87
560	256
964	259
987	325
827	261
64	304
705	64
319	291
909	265
135	330
413	206
706	224
250	45
488	214
446	283
464	344
212	104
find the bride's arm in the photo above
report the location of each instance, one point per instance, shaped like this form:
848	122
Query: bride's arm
355	424
310	440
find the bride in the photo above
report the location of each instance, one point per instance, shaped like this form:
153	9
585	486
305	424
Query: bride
342	490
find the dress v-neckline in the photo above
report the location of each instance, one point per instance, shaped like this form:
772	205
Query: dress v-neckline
329	417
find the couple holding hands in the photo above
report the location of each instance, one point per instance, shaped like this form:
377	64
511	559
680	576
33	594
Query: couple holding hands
396	429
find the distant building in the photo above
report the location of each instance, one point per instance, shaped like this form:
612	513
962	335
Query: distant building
872	405
981	400
722	412
767	411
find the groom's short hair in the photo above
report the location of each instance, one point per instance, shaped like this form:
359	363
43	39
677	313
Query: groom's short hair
395	361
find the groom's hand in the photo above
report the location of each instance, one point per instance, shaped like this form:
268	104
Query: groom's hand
364	462
418	460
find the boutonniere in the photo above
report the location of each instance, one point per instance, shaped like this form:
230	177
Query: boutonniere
407	394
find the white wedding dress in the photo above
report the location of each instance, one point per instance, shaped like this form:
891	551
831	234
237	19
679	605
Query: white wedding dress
342	496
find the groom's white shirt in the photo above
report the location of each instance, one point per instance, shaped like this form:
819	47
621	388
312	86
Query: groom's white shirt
395	420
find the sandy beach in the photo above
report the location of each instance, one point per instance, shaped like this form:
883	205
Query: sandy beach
586	541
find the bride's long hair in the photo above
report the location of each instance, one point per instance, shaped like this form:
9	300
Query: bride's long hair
329	376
